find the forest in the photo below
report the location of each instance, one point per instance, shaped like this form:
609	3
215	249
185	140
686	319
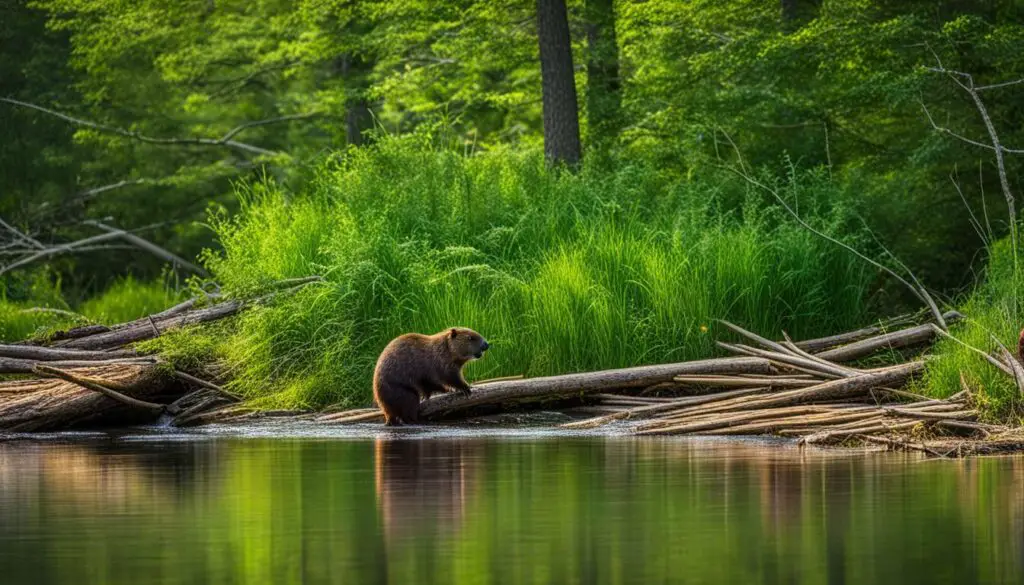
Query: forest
592	183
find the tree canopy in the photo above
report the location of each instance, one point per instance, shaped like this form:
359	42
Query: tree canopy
163	105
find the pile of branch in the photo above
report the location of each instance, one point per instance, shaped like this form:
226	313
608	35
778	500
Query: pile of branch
90	376
796	389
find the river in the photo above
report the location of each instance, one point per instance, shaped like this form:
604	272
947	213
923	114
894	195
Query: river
362	506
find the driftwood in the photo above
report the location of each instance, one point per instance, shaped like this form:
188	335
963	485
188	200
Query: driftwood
145	330
48	354
787	388
101	386
569	385
90	381
16	366
57	404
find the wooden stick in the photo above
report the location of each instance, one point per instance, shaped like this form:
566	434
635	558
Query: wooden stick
895	340
745	382
95	385
47	354
644	411
834	389
909	413
788	359
205	384
877	428
773	425
18	366
904	444
796	415
551	387
365	416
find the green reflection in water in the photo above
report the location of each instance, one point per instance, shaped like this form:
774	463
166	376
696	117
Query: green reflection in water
494	511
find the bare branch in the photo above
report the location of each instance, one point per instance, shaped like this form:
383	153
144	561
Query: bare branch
961	137
60	249
150	247
998	85
966	83
919	291
91	244
103	189
141	137
247	125
18	234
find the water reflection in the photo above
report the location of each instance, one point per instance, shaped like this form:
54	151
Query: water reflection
424	484
552	510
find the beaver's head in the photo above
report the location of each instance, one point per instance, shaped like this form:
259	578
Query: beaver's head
466	344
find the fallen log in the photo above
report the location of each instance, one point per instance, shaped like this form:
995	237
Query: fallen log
143	329
19	366
566	386
49	354
645	411
101	386
56	404
895	340
831	390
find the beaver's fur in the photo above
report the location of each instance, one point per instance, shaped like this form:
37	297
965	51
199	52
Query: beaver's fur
414	366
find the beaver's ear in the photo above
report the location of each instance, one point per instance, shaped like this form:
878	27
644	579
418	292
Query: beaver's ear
453	333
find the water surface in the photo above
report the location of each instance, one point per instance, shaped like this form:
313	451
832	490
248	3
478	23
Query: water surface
474	507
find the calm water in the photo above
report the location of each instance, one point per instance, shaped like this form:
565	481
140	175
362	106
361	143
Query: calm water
500	509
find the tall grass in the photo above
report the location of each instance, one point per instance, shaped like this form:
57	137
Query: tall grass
561	272
40	308
994	309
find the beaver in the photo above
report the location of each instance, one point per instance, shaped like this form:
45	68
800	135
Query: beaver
414	366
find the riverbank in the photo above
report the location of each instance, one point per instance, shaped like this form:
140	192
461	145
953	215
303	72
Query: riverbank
839	390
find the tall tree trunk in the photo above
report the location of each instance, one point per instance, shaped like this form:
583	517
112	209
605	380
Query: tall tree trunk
357	108
558	84
796	13
604	90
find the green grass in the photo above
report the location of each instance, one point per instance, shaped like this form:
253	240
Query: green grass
561	272
129	299
993	309
43	309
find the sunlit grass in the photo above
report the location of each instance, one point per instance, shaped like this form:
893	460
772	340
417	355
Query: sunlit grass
561	272
45	310
994	309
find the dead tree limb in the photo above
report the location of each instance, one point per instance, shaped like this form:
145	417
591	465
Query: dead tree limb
225	141
150	247
568	385
97	385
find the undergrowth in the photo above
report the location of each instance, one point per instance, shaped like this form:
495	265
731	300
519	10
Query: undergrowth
38	308
562	272
994	311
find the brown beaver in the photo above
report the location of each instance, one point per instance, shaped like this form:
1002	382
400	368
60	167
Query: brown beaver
414	366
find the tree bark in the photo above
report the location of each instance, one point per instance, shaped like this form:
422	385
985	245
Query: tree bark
358	117
568	385
558	84
604	89
53	404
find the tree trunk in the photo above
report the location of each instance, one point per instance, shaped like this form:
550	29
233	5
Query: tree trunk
558	84
604	90
358	117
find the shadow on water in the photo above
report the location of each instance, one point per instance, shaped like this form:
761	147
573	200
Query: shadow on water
430	507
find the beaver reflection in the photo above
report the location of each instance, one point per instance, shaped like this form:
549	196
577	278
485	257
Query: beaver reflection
423	486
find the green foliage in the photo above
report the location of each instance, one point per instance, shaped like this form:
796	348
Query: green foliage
561	272
994	311
38	307
129	299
